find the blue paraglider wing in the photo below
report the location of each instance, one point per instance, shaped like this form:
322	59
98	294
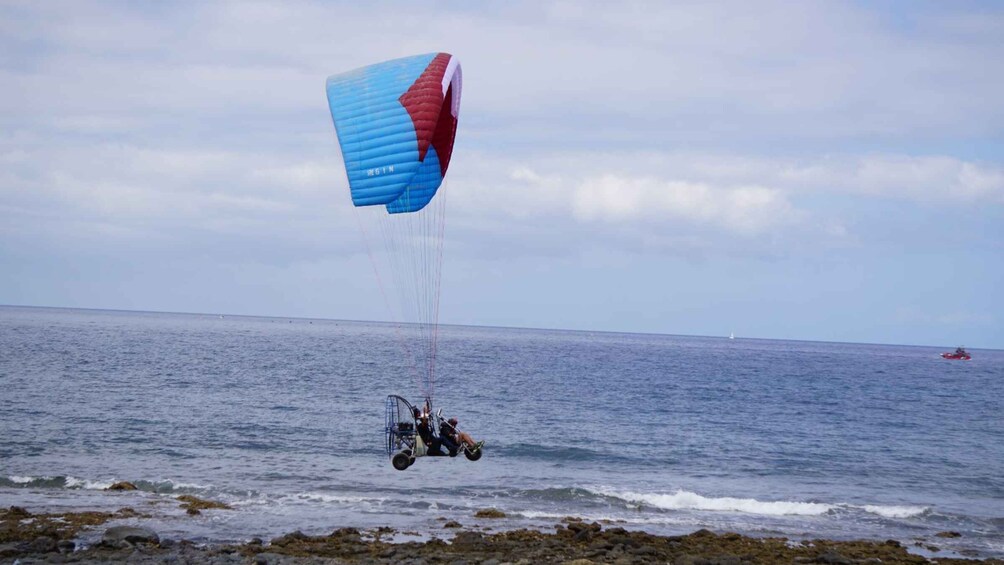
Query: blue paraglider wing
396	122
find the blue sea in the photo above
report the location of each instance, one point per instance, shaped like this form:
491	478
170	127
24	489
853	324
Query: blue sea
283	420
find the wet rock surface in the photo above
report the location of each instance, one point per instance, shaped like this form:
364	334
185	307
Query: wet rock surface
573	542
194	505
129	534
122	485
19	525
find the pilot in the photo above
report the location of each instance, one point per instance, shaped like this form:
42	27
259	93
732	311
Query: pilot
425	432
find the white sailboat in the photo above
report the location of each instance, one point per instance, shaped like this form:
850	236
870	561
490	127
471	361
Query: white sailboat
732	335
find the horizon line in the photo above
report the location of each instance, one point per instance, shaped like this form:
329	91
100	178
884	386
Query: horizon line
530	328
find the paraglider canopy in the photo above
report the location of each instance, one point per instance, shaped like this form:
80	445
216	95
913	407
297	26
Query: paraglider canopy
396	124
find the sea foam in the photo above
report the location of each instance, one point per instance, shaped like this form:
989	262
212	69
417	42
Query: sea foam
686	500
895	511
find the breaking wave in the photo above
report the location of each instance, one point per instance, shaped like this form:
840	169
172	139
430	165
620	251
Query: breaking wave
686	500
69	482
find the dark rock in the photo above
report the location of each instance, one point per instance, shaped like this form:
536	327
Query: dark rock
346	536
489	513
601	545
122	485
256	541
131	534
115	544
893	543
581	526
42	544
452	524
626	541
189	502
10	549
17	513
644	551
267	558
66	546
725	560
468	539
948	535
583	535
290	538
833	558
703	533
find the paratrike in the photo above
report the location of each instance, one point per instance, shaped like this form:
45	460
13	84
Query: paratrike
404	440
960	354
396	123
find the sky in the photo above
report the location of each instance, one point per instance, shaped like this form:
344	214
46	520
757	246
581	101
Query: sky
827	171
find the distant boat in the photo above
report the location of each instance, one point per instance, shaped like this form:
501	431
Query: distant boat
960	354
732	335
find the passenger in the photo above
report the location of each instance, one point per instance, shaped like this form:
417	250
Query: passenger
449	429
448	438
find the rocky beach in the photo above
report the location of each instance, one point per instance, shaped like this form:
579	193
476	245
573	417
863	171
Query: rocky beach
28	537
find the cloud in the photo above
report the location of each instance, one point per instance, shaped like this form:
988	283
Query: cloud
668	125
642	73
711	203
723	194
741	209
111	196
936	179
600	200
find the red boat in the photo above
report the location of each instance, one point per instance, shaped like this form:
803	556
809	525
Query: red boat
960	354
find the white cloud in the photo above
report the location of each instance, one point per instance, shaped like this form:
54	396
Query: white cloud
307	177
646	72
618	123
111	194
743	192
937	179
614	199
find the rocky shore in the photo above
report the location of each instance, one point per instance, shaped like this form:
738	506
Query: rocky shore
26	537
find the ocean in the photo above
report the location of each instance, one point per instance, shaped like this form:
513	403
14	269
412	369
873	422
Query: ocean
283	420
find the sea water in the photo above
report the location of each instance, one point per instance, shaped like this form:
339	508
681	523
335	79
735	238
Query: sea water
283	420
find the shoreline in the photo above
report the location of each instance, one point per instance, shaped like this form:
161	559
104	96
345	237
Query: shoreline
28	537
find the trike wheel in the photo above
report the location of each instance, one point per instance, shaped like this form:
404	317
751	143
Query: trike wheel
401	461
